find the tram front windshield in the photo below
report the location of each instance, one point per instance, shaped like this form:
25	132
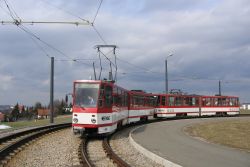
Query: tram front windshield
86	94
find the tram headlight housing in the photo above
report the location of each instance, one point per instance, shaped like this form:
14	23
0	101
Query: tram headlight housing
93	120
75	120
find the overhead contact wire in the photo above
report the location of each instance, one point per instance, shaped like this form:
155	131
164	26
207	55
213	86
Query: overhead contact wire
97	12
68	12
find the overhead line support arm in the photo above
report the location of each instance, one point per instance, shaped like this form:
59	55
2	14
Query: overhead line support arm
18	22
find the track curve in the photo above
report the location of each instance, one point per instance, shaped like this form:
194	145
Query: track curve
11	144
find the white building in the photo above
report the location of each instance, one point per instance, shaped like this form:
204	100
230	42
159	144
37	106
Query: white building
245	106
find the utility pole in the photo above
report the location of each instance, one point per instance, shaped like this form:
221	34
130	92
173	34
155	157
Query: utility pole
166	73
52	91
219	88
94	70
166	77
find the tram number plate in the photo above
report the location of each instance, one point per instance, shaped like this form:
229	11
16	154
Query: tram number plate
106	118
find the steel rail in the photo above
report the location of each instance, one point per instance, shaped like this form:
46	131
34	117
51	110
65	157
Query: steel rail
110	153
15	135
83	153
86	162
35	133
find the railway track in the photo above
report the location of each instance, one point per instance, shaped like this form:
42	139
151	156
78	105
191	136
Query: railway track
12	144
92	151
97	152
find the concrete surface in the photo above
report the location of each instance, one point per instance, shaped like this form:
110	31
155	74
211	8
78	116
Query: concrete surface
168	140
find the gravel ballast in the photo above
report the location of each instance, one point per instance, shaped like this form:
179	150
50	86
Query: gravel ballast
122	147
57	149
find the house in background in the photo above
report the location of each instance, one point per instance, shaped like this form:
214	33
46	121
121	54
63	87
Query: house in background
5	109
43	113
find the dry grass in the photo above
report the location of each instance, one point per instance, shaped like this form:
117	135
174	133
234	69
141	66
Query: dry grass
243	112
33	123
233	133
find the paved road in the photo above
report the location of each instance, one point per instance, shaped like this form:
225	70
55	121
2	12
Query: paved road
168	140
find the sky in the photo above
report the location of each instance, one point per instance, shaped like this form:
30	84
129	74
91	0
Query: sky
209	40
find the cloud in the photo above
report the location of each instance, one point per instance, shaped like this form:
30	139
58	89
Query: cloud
209	40
5	81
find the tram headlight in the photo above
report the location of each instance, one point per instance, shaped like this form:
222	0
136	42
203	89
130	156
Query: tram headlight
75	120
93	120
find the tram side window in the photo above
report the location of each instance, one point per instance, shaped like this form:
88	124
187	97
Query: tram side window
170	101
203	101
126	98
130	100
115	98
216	102
233	102
122	98
150	101
158	100
135	101
146	100
115	90
141	101
236	101
187	101
221	101
195	101
108	96
101	96
114	95
100	100
228	103
163	100
154	101
224	101
119	97
178	101
208	101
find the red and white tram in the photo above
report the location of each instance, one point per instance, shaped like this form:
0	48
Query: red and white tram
141	106
219	105
169	105
99	107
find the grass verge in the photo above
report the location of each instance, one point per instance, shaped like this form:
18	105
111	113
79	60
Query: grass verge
233	133
244	112
33	123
